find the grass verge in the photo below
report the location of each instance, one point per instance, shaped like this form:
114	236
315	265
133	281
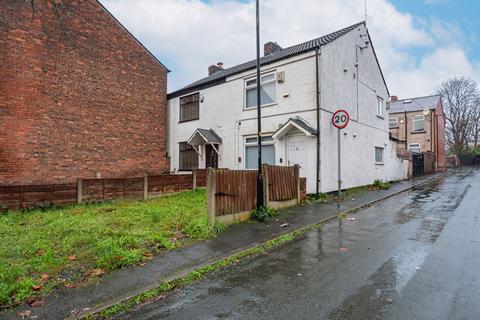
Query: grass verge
198	274
44	249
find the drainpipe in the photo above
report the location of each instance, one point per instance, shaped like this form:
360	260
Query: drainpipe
317	55
406	131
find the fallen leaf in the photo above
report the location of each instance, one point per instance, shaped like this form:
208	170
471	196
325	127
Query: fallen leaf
95	272
72	258
25	314
36	288
36	302
40	252
70	286
148	254
343	249
44	277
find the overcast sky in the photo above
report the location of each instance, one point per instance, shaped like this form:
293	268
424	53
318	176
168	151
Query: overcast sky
419	43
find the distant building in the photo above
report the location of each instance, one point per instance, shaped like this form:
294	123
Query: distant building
213	121
419	126
80	97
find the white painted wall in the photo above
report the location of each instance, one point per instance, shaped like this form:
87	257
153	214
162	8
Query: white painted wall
223	110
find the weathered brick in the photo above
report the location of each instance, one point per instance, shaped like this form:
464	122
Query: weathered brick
78	95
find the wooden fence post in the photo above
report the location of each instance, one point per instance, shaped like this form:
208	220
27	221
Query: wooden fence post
79	190
211	190
194	173
145	187
266	183
296	169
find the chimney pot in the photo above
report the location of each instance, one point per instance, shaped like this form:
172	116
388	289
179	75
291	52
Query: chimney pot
393	98
220	64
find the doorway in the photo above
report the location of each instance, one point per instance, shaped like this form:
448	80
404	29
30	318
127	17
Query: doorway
297	153
211	160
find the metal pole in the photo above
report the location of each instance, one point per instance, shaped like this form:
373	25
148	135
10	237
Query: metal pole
259	114
339	167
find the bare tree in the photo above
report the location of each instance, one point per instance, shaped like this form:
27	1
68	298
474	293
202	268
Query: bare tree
460	97
476	124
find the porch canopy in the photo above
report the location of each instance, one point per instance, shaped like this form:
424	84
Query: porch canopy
204	136
295	125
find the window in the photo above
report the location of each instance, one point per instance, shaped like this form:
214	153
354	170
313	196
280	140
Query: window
393	122
188	157
380	107
378	155
251	151
418	123
267	91
414	147
189	107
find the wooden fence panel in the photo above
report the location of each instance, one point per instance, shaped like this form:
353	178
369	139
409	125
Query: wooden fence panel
282	182
235	191
201	176
17	197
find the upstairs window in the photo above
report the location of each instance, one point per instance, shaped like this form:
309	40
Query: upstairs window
418	123
380	107
189	107
267	91
378	155
393	122
188	157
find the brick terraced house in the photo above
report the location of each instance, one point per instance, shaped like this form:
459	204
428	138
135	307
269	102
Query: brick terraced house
418	124
80	97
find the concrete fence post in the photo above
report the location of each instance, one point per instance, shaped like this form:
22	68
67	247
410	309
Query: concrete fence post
145	187
266	183
194	173
79	190
211	190
296	169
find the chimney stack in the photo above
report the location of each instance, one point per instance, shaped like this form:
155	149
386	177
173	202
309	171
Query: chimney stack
215	68
271	48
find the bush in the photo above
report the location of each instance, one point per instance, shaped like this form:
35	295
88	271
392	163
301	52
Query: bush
261	214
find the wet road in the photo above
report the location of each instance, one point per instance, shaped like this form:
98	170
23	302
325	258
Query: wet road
413	256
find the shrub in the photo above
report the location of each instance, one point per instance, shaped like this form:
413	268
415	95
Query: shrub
381	184
261	214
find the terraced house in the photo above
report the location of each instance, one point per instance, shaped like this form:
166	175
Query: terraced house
80	97
212	122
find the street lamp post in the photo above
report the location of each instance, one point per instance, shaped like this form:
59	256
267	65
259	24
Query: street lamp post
259	115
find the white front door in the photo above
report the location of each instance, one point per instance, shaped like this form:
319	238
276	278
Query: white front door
297	153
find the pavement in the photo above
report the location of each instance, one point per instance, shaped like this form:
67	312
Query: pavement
412	256
122	284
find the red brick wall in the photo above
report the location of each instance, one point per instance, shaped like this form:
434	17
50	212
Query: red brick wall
78	95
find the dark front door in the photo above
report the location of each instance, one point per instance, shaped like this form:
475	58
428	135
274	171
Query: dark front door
212	156
418	164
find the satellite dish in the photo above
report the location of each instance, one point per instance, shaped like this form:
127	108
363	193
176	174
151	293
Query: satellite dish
426	112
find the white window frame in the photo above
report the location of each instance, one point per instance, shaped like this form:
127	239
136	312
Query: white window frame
248	87
254	143
380	106
383	155
418	118
414	146
390	122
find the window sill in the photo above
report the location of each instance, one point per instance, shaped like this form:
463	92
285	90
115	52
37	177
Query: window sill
264	106
188	120
381	117
379	163
415	132
394	127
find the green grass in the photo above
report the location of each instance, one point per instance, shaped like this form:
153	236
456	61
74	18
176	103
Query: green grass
43	249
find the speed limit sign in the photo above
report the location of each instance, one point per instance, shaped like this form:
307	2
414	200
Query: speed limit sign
340	119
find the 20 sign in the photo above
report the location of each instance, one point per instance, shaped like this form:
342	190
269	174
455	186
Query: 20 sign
340	119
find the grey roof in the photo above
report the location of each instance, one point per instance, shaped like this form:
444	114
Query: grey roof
220	76
301	123
414	104
210	135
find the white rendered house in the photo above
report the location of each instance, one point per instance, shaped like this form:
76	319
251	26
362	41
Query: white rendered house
213	122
